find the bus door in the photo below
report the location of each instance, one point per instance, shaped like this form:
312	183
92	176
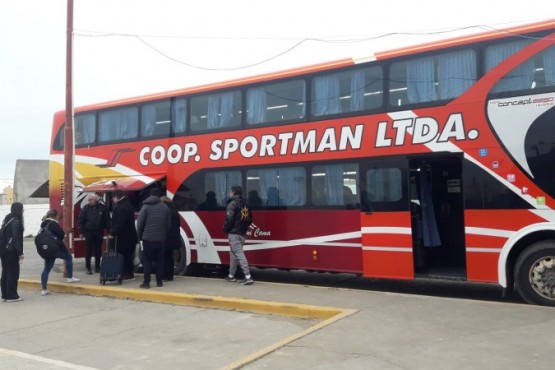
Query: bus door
437	215
385	218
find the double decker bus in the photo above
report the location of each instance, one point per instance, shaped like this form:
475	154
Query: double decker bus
433	161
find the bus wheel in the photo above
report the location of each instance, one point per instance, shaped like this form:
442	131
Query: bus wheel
535	273
180	257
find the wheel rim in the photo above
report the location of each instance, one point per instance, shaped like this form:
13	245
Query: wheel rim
542	277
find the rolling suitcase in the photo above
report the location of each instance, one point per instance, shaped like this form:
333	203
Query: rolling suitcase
111	266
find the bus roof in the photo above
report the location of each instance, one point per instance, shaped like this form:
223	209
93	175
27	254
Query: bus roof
404	51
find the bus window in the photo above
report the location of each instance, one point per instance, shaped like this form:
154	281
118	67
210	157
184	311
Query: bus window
432	78
278	187
335	185
216	111
276	103
345	92
85	129
118	124
220	183
179	116
518	79
155	119
382	190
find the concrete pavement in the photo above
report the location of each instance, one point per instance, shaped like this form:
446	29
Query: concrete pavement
349	329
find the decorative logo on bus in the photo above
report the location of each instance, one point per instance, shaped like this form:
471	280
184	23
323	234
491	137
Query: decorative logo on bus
255	231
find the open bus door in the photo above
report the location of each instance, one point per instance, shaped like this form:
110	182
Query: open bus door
385	219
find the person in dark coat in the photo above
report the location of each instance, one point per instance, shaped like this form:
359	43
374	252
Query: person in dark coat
13	256
123	234
153	225
50	221
173	240
93	219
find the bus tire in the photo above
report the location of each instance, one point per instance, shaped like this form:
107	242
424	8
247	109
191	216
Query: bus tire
535	273
180	257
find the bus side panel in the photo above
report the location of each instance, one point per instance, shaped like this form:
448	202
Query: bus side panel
487	231
387	245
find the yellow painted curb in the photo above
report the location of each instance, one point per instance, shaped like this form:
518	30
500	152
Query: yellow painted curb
226	303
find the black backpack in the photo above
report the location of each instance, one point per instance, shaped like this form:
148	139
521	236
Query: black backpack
4	240
47	244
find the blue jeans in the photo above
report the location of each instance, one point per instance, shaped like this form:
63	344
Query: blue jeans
49	263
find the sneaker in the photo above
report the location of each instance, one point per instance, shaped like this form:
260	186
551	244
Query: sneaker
14	300
89	272
73	280
128	277
248	281
145	286
159	284
44	292
231	279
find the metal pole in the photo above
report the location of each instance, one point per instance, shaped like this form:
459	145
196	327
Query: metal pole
69	150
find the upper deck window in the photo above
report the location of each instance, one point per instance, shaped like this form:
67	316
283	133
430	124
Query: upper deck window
179	116
520	78
535	73
433	78
216	111
347	91
276	103
155	119
118	124
85	129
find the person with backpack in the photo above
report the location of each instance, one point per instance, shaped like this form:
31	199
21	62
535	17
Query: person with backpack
12	256
50	222
238	218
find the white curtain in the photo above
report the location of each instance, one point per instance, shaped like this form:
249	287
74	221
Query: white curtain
357	91
421	80
549	66
118	124
334	185
148	120
223	180
326	95
519	78
179	116
256	105
457	73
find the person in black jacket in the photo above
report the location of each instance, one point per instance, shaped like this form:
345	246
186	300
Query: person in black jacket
153	225
93	219
236	230
13	256
50	221
173	240
123	234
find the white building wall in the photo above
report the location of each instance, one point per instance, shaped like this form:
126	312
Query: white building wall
32	215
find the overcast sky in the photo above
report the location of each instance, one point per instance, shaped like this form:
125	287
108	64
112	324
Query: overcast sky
126	48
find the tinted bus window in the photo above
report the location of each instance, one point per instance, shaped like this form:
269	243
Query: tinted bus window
275	103
335	185
179	116
118	124
432	78
518	79
347	91
220	182
85	129
277	187
155	119
216	111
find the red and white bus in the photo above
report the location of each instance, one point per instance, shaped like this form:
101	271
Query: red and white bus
432	161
